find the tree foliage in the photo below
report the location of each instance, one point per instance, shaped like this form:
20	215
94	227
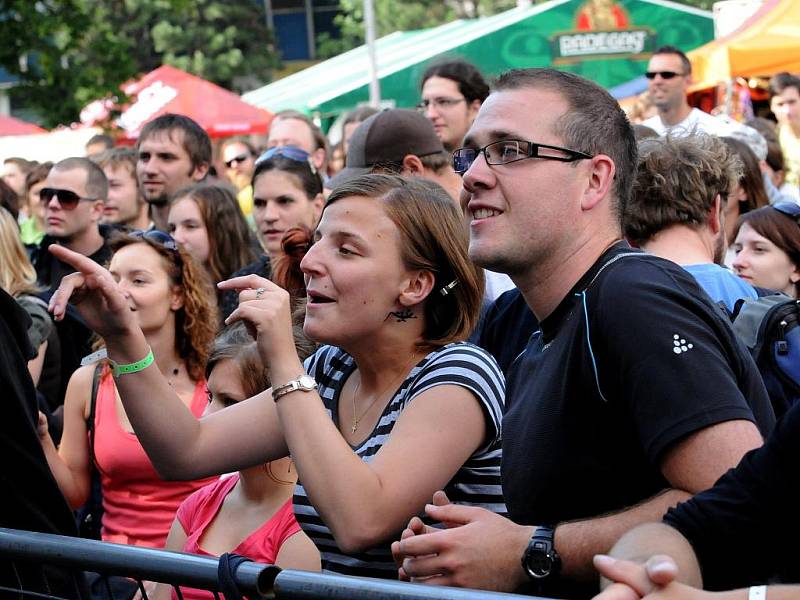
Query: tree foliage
401	15
75	51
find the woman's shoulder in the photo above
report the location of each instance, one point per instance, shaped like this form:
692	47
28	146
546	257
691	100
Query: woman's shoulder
328	360
464	355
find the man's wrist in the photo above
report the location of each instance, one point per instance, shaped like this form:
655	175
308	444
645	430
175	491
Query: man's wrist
522	539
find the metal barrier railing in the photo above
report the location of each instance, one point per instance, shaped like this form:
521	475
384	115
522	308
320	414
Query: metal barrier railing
253	580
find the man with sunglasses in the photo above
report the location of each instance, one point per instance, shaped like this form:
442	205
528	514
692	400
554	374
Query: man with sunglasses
239	157
633	394
669	74
74	195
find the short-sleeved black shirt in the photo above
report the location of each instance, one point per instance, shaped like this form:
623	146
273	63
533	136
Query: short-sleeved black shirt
744	530
505	328
633	359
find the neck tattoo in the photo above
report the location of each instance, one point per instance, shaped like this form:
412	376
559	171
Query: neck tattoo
357	419
402	315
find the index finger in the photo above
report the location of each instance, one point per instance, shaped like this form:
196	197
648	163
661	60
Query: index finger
81	263
424	544
247	282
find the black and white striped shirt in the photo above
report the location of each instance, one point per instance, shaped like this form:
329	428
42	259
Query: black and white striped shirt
476	483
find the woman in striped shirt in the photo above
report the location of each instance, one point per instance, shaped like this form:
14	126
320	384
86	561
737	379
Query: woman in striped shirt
396	407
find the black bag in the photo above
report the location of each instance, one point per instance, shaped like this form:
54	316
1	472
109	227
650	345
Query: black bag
770	328
90	515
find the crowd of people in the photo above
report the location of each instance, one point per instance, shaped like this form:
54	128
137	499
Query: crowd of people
463	346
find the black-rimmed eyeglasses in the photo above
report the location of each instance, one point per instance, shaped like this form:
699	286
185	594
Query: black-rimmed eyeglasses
509	151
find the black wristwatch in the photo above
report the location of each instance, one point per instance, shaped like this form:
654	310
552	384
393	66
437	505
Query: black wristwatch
541	560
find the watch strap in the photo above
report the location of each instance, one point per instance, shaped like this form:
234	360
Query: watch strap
542	542
299	383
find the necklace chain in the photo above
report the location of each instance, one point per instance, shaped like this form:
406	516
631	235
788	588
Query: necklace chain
357	419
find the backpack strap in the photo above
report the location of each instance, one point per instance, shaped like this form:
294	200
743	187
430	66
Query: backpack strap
98	371
750	321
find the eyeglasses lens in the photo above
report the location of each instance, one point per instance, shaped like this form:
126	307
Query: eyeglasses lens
463	159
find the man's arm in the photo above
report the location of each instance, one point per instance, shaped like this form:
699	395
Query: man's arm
691	465
655	562
484	551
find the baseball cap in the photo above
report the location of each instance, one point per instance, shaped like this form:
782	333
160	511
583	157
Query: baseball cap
388	136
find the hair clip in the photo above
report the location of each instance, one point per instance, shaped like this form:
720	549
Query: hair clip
449	287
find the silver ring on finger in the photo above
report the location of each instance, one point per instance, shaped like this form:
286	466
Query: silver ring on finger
260	292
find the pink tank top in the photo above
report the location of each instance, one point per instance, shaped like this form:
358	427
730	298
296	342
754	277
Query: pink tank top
200	509
139	506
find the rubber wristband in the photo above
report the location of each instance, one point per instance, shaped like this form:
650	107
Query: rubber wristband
757	592
140	365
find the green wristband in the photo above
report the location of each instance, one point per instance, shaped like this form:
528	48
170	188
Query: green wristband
118	369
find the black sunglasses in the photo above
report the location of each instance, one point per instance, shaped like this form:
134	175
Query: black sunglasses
66	198
237	159
664	74
790	209
158	237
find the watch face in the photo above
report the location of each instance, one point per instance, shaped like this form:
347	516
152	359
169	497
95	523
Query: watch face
306	382
539	564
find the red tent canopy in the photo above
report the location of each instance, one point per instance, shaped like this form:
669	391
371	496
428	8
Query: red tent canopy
12	126
169	90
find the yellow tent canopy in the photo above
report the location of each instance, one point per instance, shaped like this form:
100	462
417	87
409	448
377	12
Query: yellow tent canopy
767	43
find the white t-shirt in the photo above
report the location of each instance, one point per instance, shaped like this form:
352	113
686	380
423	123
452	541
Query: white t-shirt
697	122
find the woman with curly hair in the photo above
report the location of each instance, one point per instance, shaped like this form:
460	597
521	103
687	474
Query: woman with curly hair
206	220
172	301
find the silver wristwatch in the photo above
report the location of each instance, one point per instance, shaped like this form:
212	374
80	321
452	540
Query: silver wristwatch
304	383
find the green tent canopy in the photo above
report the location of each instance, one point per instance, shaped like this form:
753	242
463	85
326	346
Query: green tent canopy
603	40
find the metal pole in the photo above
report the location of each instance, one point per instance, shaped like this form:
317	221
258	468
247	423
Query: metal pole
268	18
374	84
310	32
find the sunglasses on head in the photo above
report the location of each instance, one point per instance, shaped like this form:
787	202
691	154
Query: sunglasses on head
664	74
159	237
290	152
237	159
66	198
790	209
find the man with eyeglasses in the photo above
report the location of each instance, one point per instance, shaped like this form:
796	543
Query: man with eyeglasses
669	74
74	195
452	92
627	399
